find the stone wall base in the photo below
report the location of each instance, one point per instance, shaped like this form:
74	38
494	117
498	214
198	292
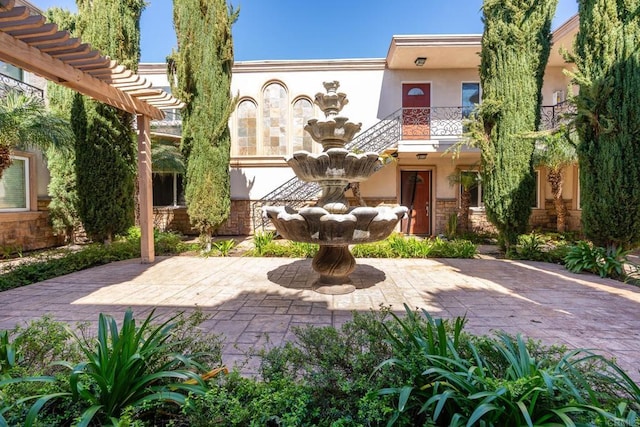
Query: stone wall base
541	219
27	231
175	218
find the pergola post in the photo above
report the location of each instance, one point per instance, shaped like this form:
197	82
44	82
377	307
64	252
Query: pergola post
145	190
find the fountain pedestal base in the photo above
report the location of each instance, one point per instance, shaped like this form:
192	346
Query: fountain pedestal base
335	264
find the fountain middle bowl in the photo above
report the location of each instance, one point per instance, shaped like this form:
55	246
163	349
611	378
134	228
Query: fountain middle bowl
317	225
334	164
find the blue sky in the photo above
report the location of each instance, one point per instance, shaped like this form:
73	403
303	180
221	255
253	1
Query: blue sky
312	29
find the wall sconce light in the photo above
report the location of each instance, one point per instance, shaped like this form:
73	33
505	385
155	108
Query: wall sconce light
421	156
420	60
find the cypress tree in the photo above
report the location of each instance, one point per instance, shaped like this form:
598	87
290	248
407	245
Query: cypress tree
608	120
515	48
202	68
105	158
63	208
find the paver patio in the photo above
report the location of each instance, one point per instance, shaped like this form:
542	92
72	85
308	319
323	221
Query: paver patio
251	298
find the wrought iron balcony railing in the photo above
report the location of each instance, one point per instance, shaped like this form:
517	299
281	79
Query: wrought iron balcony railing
8	83
552	116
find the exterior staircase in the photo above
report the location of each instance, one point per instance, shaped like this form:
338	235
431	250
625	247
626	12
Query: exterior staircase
444	121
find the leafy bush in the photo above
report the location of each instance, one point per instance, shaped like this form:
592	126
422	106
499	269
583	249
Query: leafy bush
8	355
372	250
498	381
530	247
224	246
604	262
399	246
65	261
265	245
237	401
261	240
135	367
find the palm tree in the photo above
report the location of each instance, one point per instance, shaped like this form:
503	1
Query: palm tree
25	121
467	181
555	150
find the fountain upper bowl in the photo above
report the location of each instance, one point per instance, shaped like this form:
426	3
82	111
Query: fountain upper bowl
334	164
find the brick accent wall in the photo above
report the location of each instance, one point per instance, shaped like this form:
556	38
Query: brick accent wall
444	209
28	231
175	218
545	219
240	220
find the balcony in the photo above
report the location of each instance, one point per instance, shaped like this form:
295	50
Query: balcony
8	83
170	125
448	122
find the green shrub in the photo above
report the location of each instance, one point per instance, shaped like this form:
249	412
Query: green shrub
530	247
236	401
119	368
453	249
399	246
224	247
604	262
456	379
337	368
372	250
64	261
284	248
8	355
261	240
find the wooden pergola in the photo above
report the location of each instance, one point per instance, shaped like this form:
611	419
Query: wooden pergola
29	42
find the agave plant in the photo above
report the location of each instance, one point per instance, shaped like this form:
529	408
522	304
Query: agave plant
127	367
8	355
450	379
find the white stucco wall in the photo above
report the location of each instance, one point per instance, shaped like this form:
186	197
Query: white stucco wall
361	82
252	183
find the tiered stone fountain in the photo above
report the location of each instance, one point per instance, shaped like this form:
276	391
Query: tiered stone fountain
332	223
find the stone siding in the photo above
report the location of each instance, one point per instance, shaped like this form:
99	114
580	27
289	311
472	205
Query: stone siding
444	209
545	219
175	218
27	231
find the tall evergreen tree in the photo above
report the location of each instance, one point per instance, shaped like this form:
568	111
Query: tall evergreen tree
105	158
202	68
63	208
515	48
608	120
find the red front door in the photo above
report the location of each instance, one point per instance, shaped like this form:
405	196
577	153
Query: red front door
415	187
416	100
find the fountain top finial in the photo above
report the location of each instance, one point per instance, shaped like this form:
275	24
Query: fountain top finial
332	102
336	131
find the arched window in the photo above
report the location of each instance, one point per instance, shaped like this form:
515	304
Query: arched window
274	121
247	130
415	91
302	113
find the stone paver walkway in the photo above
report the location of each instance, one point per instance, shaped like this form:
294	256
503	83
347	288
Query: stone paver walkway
251	297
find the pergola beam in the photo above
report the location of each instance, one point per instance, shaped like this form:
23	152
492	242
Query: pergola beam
30	58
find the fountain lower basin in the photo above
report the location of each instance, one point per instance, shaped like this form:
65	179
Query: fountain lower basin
334	232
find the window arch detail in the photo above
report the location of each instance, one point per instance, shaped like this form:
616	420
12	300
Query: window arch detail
275	119
302	113
247	113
